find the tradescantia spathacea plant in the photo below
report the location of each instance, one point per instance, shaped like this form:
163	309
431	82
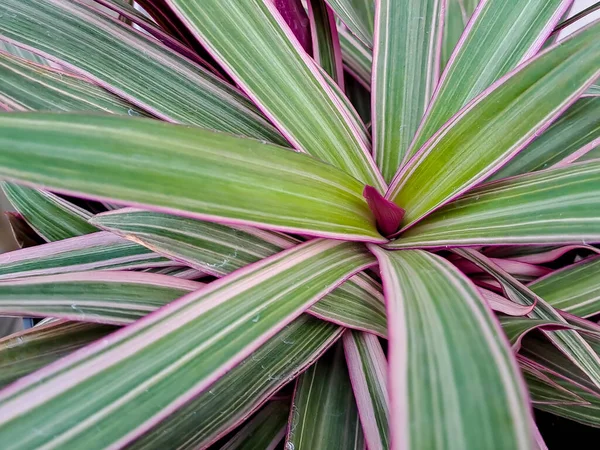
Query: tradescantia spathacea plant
298	224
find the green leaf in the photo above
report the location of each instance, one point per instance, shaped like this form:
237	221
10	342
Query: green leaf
557	206
195	172
446	353
516	328
367	367
501	35
324	413
244	388
575	133
497	125
219	250
96	251
264	431
50	216
544	390
357	15
325	41
32	349
110	297
570	342
357	57
289	87
458	13
593	90
165	84
574	289
141	374
405	73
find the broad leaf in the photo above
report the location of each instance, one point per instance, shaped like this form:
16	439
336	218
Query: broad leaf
446	353
165	84
557	206
367	368
500	35
289	88
574	134
324	413
143	373
405	72
189	171
497	125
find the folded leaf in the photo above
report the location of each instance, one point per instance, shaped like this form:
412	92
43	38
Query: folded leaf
556	206
406	63
500	35
172	353
289	87
189	171
165	84
517	327
324	413
497	125
446	352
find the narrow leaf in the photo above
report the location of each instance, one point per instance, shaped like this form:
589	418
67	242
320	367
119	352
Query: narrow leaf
406	60
295	17
544	390
357	58
458	13
497	125
325	41
593	90
189	171
446	353
538	254
517	327
324	413
357	15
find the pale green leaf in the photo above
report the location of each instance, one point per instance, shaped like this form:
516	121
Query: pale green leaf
358	16
325	41
357	57
458	13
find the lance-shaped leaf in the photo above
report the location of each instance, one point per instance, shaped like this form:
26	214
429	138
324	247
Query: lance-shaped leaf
265	430
96	251
50	216
570	342
24	352
501	304
27	86
406	60
446	352
543	389
516	328
22	233
458	13
324	413
497	125
573	135
325	41
367	368
538	254
166	85
500	35
358	16
244	388
179	272
357	58
218	250
556	206
109	297
144	372
188	171
294	15
593	90
289	87
574	289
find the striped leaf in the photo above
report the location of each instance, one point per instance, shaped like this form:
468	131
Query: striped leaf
189	171
500	35
406	62
593	90
22	233
357	58
24	352
115	298
568	139
185	273
446	353
289	88
570	342
555	206
325	41
265	430
241	391
367	368
324	413
516	328
96	251
219	250
458	13
538	254
500	304
52	217
497	125
166	85
294	15
357	15
27	86
176	347
574	289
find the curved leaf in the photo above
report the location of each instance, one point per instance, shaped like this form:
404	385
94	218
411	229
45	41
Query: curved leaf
357	15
